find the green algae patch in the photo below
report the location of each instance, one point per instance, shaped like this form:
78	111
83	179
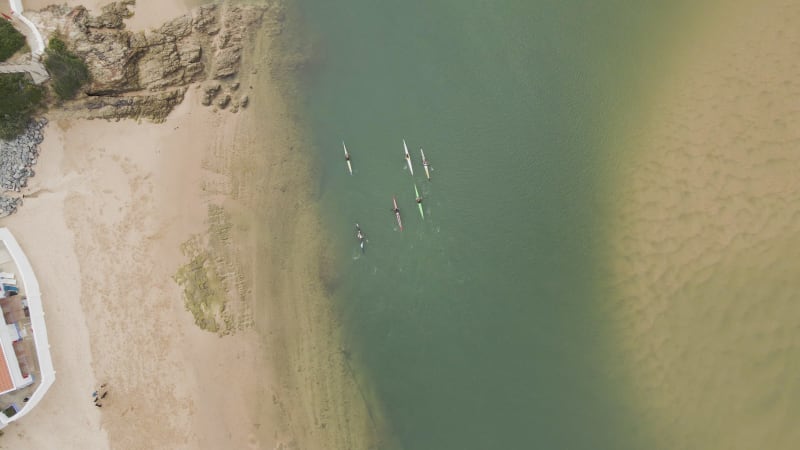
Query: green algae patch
203	289
211	279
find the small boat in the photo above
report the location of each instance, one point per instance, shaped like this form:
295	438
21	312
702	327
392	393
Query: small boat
425	164
408	157
362	240
396	211
419	202
347	158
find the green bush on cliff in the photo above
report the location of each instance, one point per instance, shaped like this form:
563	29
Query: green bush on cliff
11	40
68	71
20	99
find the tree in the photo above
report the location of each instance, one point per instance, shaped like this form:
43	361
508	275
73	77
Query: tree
11	40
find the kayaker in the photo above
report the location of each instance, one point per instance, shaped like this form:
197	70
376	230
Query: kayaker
347	157
419	199
396	210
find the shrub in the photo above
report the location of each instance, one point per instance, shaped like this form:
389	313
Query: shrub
11	40
68	71
21	98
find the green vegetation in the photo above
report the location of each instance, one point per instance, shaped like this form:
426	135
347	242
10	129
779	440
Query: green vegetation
211	280
68	71
20	99
11	40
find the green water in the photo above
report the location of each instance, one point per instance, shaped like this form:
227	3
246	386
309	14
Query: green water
483	326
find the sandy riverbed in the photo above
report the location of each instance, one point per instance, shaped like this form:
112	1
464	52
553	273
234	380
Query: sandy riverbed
706	236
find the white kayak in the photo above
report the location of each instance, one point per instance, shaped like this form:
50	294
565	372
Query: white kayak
347	158
361	238
408	157
425	164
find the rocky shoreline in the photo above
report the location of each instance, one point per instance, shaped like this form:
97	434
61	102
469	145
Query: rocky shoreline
140	75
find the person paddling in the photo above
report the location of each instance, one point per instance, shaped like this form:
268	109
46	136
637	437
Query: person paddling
359	233
362	240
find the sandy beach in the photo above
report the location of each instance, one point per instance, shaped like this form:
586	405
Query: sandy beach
705	237
106	223
107	214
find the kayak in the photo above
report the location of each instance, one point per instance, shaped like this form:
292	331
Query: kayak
397	213
425	164
347	158
408	157
419	202
361	238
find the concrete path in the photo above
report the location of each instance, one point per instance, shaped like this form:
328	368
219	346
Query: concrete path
35	42
35	68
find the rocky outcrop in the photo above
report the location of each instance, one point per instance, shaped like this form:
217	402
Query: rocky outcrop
142	74
17	157
145	74
154	106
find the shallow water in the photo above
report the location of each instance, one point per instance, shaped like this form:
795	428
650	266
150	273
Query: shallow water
498	321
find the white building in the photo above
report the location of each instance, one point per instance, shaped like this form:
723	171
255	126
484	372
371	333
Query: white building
26	369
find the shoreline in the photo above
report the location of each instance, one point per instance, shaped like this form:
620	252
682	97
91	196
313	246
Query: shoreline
320	399
104	224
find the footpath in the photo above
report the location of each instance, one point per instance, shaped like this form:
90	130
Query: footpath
35	68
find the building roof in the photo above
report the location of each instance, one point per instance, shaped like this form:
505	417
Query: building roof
6	383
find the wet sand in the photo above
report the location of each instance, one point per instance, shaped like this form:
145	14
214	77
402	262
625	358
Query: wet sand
706	231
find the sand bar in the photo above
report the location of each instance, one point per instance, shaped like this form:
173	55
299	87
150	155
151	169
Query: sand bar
706	233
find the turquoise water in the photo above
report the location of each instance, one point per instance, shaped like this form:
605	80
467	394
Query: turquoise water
483	326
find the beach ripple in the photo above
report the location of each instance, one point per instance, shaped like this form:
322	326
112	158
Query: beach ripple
706	240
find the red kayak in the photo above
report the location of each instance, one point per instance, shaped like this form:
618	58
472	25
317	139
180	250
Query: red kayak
397	213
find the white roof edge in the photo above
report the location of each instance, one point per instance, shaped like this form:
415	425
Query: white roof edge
34	298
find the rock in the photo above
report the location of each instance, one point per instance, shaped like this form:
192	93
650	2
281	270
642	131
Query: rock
226	62
156	106
112	15
224	101
178	28
16	159
210	92
194	70
244	101
190	53
204	20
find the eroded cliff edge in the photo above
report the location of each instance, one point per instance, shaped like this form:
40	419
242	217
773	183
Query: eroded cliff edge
145	74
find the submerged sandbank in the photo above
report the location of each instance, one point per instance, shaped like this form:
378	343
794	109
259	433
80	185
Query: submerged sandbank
705	232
